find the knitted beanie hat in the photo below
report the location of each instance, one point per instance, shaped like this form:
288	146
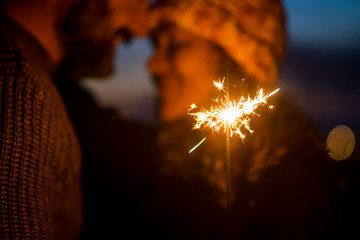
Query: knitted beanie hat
252	32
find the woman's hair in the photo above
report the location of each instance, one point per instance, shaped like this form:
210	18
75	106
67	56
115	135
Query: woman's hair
240	81
251	32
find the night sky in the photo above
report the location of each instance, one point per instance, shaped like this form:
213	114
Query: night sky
320	70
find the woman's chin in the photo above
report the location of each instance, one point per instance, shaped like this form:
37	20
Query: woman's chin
170	114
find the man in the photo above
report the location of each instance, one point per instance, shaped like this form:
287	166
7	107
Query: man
92	29
40	156
117	171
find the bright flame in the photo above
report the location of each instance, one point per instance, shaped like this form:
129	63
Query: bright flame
232	115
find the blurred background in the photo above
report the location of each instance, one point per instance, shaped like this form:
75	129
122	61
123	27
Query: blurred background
320	71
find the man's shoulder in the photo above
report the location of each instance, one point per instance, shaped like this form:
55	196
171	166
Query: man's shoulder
10	55
20	51
14	65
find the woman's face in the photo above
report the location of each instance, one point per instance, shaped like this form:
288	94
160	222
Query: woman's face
184	67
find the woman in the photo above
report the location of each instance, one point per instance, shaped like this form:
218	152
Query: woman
279	183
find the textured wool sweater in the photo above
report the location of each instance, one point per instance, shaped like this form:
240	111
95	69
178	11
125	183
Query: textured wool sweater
40	158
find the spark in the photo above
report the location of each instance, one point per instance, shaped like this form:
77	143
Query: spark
197	145
219	84
192	106
233	115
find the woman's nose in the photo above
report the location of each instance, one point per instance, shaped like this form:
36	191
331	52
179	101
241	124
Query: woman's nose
158	64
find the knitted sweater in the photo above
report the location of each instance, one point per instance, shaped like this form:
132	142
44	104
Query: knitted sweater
40	158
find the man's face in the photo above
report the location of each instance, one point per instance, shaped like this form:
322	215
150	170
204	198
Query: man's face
93	29
184	66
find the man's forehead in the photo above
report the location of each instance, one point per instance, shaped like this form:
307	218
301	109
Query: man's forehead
128	4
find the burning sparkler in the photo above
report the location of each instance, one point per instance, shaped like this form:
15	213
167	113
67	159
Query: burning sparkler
231	116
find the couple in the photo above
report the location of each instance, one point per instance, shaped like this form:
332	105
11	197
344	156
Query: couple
278	185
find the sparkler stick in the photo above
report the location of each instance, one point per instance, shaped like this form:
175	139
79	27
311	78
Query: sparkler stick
227	148
231	116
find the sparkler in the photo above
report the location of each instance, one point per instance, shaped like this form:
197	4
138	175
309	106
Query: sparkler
231	116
